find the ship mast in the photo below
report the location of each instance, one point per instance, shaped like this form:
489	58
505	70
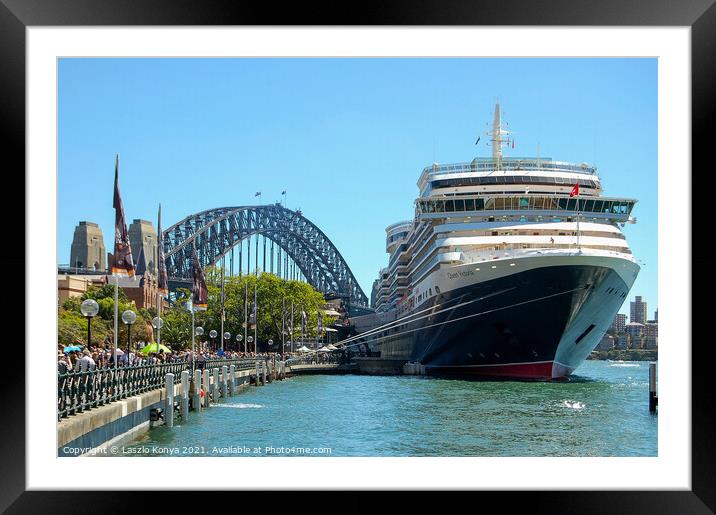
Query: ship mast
498	137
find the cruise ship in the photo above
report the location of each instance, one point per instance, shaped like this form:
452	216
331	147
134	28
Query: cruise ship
513	267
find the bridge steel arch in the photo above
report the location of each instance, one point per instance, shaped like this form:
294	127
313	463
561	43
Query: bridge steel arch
215	232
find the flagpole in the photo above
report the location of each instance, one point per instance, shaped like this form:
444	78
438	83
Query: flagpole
159	320
246	313
256	313
223	265
578	220
116	319
193	345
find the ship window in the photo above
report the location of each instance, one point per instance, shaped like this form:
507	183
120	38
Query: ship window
437	290
439	206
588	205
598	205
563	203
449	206
469	204
431	291
571	205
560	180
459	205
479	204
524	203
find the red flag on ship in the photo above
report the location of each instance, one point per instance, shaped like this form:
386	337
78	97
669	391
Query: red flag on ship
575	190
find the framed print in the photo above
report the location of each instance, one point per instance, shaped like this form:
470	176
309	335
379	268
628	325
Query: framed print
531	169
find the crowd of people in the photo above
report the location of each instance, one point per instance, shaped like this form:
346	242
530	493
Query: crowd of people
93	358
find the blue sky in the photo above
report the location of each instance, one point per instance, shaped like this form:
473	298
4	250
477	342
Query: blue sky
347	138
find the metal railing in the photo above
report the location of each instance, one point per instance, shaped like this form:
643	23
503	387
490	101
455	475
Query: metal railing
511	163
79	391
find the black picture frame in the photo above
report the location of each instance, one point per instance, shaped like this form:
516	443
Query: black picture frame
699	15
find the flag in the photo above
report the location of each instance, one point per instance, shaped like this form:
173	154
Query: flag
283	192
513	143
478	141
575	191
122	258
162	281
290	329
200	297
283	316
320	323
257	194
303	323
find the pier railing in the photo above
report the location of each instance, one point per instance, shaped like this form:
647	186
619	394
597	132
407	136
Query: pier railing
79	391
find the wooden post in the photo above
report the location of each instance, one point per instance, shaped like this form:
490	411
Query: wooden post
205	384
263	372
215	385
197	390
653	398
224	381
232	379
169	400
184	396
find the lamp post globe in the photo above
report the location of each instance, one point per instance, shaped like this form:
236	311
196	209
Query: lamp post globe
89	308
157	323
212	335
250	340
199	331
129	317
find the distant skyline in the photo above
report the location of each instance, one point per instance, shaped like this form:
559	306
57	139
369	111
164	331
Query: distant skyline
346	138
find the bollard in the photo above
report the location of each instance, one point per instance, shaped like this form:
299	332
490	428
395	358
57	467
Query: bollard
258	374
205	384
224	381
653	398
184	396
197	390
263	373
169	401
232	379
215	386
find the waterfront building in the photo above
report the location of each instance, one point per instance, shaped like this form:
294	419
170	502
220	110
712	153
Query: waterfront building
606	343
143	238
140	290
619	323
88	249
651	333
638	310
69	286
634	329
622	342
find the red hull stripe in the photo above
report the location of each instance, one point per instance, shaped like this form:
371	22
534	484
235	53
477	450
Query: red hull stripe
542	370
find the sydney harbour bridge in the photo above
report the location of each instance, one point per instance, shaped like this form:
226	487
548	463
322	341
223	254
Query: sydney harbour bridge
293	248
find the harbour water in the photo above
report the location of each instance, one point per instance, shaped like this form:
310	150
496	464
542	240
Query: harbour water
601	411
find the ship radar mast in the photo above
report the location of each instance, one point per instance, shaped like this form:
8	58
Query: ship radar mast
498	136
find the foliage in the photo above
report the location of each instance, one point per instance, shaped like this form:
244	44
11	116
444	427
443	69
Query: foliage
271	293
72	325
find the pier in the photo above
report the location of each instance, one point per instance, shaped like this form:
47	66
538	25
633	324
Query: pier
101	409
